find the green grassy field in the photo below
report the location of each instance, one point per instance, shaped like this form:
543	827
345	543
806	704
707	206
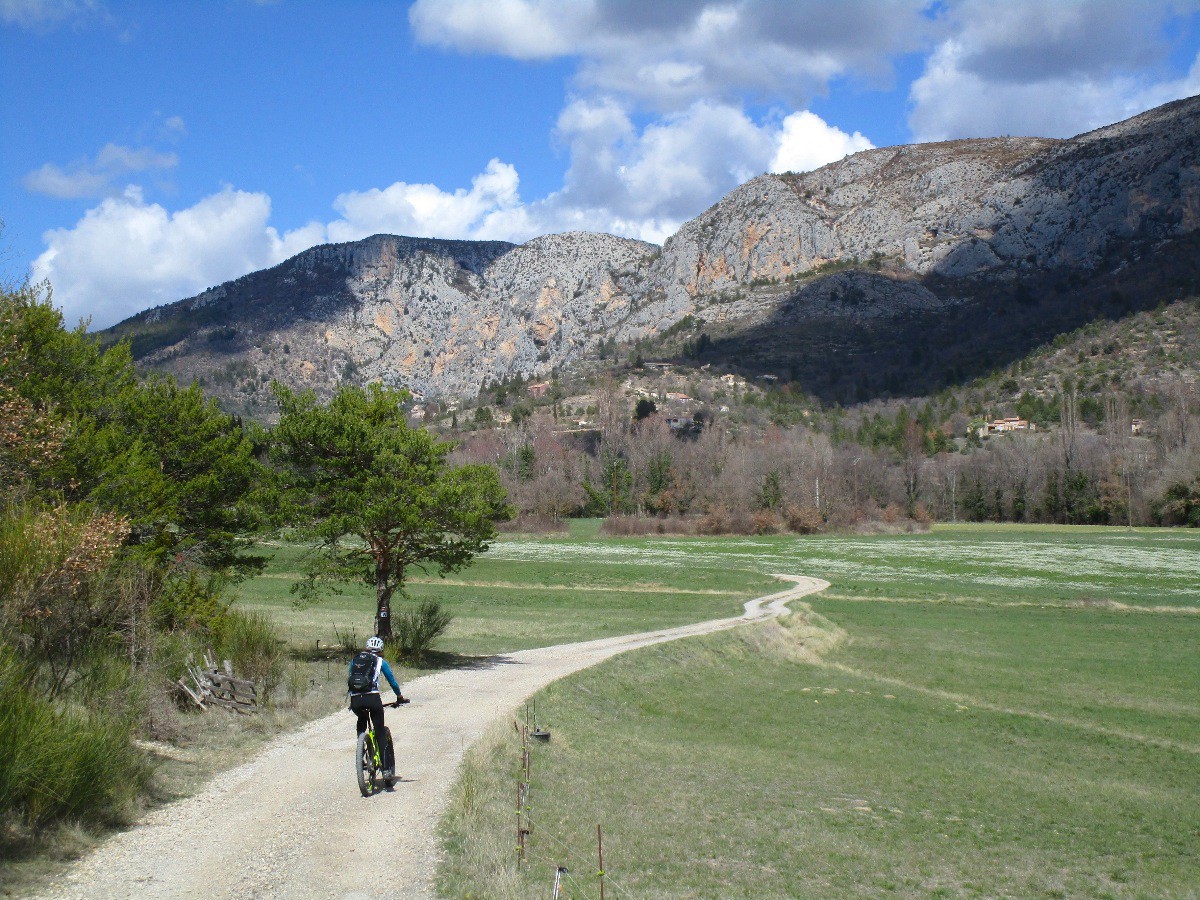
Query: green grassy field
1008	712
501	604
967	563
529	592
1003	711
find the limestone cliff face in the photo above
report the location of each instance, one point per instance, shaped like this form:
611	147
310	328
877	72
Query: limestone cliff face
442	327
438	317
956	209
929	220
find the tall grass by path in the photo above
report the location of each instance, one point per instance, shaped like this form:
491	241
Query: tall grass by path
63	760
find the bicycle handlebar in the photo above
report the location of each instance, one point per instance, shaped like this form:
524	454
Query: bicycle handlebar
400	701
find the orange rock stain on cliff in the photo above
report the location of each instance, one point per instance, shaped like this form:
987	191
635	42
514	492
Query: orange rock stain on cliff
383	321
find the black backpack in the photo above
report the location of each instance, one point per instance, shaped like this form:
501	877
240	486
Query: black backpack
362	672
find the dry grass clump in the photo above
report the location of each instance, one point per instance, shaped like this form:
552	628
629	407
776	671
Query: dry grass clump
479	860
720	520
417	630
802	636
804	519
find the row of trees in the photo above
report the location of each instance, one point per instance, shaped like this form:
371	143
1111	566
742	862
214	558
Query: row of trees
867	466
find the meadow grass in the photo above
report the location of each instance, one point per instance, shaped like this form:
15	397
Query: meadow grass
500	604
1004	712
1122	670
963	563
718	772
535	591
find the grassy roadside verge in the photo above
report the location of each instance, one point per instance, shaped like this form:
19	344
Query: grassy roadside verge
979	744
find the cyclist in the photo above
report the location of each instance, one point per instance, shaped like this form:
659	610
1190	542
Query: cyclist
369	703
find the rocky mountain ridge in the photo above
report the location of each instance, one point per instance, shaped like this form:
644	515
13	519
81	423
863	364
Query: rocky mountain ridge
959	209
438	317
884	246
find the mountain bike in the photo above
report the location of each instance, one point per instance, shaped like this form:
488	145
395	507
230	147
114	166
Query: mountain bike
368	757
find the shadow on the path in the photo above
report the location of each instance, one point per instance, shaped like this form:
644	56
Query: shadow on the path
440	661
431	661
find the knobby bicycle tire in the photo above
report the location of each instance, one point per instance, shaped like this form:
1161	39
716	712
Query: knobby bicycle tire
364	765
389	746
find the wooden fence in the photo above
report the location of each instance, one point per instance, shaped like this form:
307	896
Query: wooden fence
218	686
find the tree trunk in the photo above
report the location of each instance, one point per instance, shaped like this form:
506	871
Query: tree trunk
383	608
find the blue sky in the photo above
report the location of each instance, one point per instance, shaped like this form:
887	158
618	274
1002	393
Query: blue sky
151	149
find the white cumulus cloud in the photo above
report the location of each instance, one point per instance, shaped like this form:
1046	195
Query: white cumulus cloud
522	29
671	54
645	183
126	255
807	142
425	209
669	170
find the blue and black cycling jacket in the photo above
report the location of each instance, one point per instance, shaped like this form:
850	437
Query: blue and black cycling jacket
382	666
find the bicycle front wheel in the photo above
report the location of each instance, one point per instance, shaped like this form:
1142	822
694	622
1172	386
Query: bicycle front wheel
364	764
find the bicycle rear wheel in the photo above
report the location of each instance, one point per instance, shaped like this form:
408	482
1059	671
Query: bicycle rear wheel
389	750
364	764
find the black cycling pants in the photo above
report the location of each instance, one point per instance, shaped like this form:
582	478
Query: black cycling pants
372	705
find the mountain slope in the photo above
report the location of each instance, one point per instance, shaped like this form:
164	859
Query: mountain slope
439	317
894	270
955	209
970	254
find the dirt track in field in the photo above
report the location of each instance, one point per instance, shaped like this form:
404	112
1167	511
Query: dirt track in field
289	823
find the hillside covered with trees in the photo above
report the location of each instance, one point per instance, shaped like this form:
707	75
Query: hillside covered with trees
1108	433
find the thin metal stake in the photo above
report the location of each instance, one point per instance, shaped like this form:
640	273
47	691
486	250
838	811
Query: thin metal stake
558	874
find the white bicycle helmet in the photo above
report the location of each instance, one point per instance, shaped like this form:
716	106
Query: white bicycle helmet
374	644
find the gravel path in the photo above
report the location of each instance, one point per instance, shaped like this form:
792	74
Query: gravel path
290	822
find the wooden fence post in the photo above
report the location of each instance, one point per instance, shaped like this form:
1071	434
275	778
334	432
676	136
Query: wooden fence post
600	852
